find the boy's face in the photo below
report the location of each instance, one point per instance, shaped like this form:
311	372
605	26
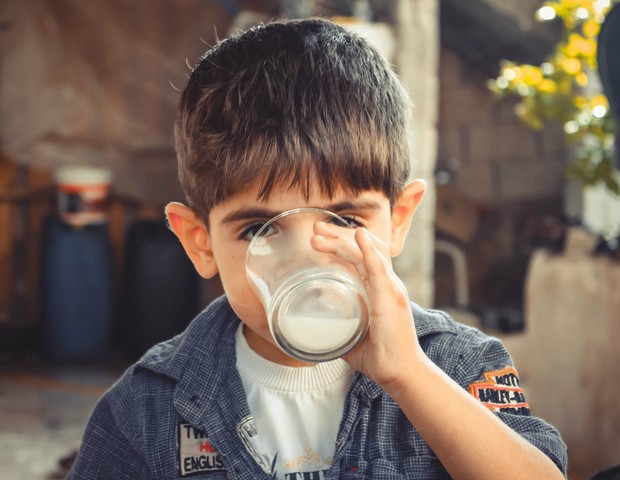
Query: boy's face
232	224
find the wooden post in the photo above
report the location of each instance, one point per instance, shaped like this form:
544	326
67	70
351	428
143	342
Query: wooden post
7	221
416	27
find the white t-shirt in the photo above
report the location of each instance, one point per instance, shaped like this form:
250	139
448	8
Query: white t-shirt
297	410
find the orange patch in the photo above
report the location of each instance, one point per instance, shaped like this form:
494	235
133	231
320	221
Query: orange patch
500	392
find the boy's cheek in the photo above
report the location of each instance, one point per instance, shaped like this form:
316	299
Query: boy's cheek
245	302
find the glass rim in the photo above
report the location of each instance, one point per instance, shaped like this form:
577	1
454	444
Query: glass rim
286	213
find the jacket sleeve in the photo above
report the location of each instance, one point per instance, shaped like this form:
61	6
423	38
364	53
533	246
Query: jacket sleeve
108	450
485	368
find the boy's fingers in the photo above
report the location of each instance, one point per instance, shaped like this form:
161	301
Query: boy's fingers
337	231
368	253
380	245
376	262
344	249
327	229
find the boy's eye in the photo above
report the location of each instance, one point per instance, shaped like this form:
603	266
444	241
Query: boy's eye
250	232
351	221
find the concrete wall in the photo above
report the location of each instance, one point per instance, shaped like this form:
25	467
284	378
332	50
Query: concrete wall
568	357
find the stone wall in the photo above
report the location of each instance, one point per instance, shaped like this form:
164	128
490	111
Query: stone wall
514	174
501	160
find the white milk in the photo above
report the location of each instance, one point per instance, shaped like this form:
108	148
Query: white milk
315	334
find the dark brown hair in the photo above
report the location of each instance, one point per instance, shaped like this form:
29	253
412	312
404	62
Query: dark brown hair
290	103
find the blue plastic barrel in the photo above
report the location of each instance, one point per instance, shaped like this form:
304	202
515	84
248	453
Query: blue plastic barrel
76	291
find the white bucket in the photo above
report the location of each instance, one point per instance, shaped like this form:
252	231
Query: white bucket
82	193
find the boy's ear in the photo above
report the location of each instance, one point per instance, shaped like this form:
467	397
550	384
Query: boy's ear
194	237
402	214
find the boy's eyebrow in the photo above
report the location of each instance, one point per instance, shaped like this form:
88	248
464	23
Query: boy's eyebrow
248	214
257	212
353	205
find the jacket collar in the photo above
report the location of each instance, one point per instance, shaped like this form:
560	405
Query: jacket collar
206	340
202	360
428	322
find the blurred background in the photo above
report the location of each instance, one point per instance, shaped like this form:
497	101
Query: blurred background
514	131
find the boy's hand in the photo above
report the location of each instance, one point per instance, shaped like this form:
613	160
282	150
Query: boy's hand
390	350
390	354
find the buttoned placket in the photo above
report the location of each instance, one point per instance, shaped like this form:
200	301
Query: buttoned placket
362	393
219	406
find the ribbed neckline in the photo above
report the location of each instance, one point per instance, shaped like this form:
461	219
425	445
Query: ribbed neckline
260	371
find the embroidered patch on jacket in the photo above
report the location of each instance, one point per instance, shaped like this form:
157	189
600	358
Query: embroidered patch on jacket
246	429
500	392
196	454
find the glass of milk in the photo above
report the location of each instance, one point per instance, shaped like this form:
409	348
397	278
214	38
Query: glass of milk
315	303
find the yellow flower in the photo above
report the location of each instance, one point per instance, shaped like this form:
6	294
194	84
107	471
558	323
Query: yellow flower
559	88
588	48
572	66
580	101
548	86
591	28
582	79
531	74
578	45
599	100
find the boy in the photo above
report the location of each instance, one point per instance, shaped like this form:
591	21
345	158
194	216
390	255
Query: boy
304	114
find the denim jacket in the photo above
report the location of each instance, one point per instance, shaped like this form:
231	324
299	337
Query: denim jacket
181	411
